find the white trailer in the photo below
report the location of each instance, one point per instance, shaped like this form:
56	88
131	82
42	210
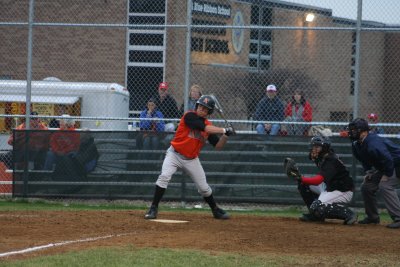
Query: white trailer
100	100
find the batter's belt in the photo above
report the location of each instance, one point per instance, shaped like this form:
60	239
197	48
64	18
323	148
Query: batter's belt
172	149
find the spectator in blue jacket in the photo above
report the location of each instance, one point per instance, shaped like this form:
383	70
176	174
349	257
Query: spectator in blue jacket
270	108
380	159
151	139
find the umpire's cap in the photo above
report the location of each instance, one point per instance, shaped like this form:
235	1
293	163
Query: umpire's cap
356	127
359	124
208	102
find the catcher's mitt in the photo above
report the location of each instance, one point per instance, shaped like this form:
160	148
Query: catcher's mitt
291	170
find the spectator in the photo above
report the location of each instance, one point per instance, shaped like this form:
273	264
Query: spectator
373	119
167	106
195	93
64	142
88	155
380	159
37	144
270	108
298	110
151	139
327	193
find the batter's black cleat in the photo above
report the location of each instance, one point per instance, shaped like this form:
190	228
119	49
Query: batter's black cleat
152	213
307	217
368	220
220	214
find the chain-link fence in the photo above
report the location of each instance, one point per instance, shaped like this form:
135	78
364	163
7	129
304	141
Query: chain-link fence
107	63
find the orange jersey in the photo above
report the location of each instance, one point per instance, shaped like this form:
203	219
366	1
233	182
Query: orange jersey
38	141
187	141
63	142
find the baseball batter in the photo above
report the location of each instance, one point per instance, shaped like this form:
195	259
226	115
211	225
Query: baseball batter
193	131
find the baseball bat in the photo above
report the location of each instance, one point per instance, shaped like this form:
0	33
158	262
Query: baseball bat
218	107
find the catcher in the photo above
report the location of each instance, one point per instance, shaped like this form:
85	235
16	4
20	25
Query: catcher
327	193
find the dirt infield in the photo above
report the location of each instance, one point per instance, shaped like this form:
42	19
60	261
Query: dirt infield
242	233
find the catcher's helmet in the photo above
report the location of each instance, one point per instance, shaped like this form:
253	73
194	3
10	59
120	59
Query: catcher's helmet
356	127
208	102
321	141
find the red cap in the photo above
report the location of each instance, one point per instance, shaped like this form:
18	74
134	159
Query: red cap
373	117
163	85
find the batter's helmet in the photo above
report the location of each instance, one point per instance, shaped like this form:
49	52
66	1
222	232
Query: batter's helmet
208	102
356	127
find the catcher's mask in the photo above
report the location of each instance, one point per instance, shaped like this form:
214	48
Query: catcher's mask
356	127
208	102
321	141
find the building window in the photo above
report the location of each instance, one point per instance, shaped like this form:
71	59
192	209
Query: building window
146	50
260	40
353	63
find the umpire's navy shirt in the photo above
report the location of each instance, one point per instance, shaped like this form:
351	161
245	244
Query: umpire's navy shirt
378	152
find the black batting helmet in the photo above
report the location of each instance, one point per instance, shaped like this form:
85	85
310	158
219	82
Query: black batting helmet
321	141
356	127
208	102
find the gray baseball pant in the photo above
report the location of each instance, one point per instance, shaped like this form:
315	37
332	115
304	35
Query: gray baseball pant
369	190
173	160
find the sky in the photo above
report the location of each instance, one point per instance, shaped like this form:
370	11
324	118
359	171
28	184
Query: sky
385	11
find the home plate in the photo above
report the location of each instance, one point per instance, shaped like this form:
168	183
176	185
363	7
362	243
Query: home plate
168	221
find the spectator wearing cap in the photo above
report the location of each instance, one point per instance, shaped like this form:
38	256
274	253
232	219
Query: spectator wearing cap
167	106
37	144
63	142
373	119
298	110
270	108
150	139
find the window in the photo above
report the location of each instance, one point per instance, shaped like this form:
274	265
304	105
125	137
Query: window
146	39
353	63
352	87
197	44
146	56
260	40
142	6
145	50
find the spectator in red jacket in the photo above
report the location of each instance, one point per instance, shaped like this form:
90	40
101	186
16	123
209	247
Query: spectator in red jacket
298	110
64	142
37	144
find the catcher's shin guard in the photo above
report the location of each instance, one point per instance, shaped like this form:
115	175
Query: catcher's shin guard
306	194
333	211
341	212
318	209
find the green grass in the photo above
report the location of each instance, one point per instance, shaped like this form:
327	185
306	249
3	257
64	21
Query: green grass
131	256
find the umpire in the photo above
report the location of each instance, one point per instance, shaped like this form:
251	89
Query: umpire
379	157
